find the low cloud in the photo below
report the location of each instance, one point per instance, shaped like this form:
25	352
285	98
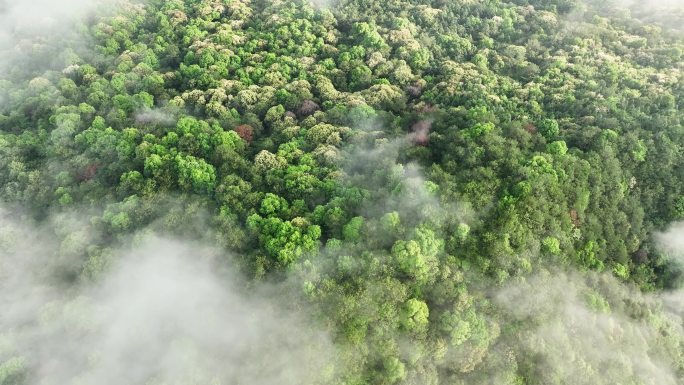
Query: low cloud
591	330
163	312
35	33
671	241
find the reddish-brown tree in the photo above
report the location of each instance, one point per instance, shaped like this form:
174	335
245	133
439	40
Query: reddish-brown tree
246	132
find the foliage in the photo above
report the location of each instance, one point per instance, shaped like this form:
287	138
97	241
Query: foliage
389	155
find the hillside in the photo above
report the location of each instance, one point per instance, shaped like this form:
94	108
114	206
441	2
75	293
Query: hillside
342	192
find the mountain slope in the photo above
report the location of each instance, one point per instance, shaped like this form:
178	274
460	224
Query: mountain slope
413	173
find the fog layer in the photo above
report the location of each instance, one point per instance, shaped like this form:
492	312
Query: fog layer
161	314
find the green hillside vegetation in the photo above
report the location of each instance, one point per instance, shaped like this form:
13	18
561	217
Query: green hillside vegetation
409	167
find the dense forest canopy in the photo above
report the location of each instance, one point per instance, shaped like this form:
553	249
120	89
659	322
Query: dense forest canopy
341	192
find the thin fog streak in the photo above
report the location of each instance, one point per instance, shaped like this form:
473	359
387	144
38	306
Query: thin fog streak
155	116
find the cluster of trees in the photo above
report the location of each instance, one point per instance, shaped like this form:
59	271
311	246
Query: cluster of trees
384	153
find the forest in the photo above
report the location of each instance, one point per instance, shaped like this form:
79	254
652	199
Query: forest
341	192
